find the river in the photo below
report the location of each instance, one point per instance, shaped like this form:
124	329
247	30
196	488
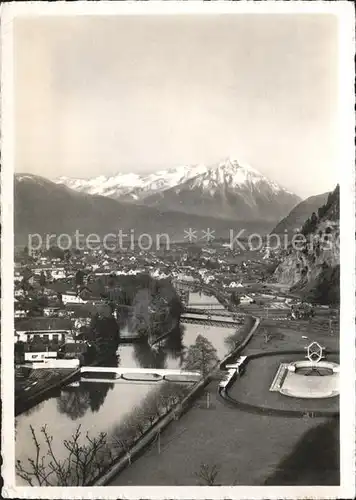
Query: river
102	406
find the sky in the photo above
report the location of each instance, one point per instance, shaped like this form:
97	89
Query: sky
102	95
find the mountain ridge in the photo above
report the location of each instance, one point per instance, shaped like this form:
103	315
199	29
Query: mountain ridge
299	213
227	190
313	269
44	207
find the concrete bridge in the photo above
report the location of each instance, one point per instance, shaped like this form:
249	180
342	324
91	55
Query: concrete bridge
206	305
207	312
185	318
146	374
130	338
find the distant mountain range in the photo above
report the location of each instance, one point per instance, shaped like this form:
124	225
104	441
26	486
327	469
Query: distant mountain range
132	187
298	215
227	190
44	207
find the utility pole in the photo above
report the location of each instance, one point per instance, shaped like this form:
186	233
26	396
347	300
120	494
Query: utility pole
159	442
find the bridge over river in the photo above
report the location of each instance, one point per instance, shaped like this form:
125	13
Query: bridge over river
142	374
208	312
211	320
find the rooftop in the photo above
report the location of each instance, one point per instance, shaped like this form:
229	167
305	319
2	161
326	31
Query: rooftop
42	324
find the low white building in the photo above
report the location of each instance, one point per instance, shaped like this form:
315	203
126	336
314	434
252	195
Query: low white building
20	313
234	284
50	310
72	298
39	356
46	329
246	299
58	274
80	322
17	276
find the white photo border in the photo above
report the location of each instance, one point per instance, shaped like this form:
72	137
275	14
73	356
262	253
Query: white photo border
345	13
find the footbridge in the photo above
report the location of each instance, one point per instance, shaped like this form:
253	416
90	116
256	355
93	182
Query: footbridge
207	312
141	374
210	321
206	305
130	338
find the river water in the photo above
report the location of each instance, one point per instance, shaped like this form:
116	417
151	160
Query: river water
103	406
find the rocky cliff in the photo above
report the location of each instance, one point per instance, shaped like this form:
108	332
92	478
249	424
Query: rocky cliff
311	262
297	216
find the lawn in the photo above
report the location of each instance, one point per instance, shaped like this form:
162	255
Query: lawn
248	449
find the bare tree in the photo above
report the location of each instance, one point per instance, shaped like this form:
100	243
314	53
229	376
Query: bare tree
207	474
124	445
267	337
82	464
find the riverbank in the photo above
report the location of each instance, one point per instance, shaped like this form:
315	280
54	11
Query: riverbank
41	383
247	448
46	383
264	448
94	406
177	411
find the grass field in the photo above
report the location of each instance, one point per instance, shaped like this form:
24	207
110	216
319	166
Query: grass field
248	449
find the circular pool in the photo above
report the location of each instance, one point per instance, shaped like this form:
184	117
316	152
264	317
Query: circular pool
310	379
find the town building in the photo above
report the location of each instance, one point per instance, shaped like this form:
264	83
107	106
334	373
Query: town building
43	329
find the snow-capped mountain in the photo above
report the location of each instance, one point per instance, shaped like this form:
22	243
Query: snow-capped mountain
228	190
114	186
44	207
132	187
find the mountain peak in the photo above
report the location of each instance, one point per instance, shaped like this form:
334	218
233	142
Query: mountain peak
227	180
232	163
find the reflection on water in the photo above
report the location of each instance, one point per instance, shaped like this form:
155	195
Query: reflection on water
103	406
76	401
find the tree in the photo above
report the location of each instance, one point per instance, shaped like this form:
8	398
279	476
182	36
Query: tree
42	280
207	474
314	219
55	252
79	277
83	463
201	356
67	255
235	299
106	328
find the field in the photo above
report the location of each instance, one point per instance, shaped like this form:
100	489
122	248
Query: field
289	334
248	449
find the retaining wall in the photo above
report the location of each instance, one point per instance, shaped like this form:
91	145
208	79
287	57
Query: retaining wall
176	412
263	410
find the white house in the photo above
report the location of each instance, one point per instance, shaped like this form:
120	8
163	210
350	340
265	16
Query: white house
233	284
246	299
20	313
50	310
72	298
42	328
19	292
58	274
39	356
17	276
79	322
